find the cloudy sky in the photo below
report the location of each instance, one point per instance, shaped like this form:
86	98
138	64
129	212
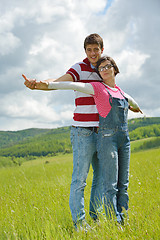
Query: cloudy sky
43	39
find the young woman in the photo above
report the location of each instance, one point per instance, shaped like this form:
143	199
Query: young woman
113	144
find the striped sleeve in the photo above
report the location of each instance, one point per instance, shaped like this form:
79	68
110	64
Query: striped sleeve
74	71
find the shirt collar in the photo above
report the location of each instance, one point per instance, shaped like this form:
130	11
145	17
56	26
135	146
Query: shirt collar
86	61
114	89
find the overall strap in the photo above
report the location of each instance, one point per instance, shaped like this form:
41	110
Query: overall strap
110	96
122	93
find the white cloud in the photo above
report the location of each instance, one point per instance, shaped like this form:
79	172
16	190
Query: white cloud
8	43
25	105
131	63
45	44
93	6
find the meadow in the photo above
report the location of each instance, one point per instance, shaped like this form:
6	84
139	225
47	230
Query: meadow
34	201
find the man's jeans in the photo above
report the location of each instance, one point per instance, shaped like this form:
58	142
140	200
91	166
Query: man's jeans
84	153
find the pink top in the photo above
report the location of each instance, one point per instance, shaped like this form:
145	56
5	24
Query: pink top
101	97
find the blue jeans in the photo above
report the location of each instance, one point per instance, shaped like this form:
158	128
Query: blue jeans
84	153
114	154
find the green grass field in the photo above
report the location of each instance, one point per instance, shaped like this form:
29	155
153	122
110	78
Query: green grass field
34	201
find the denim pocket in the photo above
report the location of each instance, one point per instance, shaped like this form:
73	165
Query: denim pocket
108	132
79	132
84	132
122	114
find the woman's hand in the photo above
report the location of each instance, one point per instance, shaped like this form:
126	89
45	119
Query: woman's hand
135	109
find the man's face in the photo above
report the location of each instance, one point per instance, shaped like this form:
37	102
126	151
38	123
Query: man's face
93	52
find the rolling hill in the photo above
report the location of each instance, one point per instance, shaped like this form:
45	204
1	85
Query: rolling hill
31	143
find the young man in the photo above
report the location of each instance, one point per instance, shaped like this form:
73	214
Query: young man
83	132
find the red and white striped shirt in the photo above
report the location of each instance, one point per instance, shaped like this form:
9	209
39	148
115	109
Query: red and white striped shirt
85	114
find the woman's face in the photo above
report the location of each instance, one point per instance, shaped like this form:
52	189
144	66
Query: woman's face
106	70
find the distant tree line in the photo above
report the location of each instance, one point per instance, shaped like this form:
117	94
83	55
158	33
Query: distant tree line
38	148
16	147
142	122
148	144
145	132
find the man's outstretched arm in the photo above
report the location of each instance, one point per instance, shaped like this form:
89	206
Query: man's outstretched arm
31	83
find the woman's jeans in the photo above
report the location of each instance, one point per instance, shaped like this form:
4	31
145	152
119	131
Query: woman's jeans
114	155
84	153
113	147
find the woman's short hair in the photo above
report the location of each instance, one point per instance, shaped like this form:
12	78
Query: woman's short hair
105	58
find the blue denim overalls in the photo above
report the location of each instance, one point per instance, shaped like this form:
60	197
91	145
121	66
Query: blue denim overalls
113	147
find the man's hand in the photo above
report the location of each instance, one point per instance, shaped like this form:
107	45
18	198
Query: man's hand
33	84
30	83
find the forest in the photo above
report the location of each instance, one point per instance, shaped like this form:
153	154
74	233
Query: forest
19	146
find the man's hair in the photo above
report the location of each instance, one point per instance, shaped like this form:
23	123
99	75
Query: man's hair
93	38
105	58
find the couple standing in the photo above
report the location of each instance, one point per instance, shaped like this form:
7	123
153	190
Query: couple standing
99	134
